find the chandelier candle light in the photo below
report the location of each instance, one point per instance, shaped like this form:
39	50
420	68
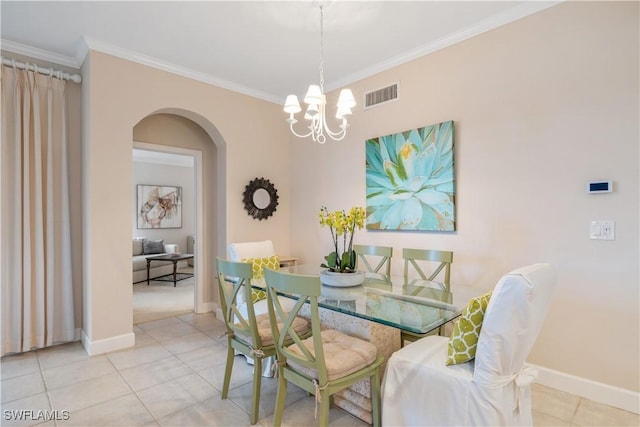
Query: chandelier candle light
316	105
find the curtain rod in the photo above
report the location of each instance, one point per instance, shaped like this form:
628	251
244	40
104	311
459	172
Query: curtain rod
76	78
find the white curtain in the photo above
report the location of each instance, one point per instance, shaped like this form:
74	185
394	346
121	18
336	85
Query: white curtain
37	288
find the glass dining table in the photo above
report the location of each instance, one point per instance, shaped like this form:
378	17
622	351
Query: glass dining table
413	305
378	310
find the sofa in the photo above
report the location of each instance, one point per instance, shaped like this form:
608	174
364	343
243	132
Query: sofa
143	248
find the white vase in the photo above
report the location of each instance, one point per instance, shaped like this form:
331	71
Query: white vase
342	280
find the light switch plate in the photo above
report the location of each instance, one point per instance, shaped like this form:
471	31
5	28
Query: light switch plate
602	230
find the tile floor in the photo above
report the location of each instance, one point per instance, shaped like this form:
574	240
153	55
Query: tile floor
173	377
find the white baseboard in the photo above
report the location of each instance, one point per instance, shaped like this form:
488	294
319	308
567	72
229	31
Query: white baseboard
592	390
206	307
109	344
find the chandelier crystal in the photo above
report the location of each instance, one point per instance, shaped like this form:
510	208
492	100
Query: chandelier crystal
316	105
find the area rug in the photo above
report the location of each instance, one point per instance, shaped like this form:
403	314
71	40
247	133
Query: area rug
160	300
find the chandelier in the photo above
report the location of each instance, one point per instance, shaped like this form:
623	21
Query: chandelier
316	105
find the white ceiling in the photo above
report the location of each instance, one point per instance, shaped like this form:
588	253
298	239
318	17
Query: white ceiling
265	49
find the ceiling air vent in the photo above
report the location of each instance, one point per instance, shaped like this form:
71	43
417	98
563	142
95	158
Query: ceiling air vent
380	96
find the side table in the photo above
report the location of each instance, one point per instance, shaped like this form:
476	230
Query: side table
287	261
174	258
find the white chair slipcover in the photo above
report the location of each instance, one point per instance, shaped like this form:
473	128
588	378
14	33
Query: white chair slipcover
492	390
263	249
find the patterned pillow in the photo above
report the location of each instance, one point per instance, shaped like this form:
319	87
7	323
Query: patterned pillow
258	265
464	338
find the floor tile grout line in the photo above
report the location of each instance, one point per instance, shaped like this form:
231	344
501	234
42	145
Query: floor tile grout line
136	393
214	341
44	382
40	371
146	408
577	407
49	390
191	369
575	411
169	380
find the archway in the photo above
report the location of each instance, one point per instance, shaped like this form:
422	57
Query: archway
184	132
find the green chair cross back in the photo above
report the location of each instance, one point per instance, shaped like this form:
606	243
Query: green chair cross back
365	253
318	364
234	278
439	260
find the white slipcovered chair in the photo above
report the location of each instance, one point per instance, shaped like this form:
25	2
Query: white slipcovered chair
492	390
244	250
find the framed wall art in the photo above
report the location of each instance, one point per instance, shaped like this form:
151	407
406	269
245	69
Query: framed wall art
159	206
410	180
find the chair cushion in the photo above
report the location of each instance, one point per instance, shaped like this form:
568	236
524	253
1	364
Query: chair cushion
258	265
300	325
343	354
464	338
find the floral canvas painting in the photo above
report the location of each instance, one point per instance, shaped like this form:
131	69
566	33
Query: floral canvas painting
411	181
159	206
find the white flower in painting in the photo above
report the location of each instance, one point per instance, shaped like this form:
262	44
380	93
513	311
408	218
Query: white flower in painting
410	180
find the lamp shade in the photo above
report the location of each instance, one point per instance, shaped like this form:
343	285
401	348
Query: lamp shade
291	105
312	111
313	96
342	112
346	99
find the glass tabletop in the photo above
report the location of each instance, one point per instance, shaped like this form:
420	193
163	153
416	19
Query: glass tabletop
418	306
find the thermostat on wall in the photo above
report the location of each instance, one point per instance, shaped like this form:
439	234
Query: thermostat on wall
599	186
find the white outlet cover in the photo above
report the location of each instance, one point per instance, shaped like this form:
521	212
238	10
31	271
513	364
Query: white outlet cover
602	230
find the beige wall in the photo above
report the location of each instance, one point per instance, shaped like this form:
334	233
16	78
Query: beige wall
541	106
250	141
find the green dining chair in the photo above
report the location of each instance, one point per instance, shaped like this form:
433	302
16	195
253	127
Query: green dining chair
326	362
436	260
246	333
429	265
381	254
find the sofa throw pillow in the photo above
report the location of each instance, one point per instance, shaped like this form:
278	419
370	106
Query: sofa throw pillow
258	265
152	246
464	338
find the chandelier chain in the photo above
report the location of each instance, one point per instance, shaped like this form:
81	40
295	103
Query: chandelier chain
316	100
321	49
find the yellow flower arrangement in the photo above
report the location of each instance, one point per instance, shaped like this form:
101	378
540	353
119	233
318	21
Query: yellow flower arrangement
342	224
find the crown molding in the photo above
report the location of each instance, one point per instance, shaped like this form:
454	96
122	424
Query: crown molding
41	54
519	12
91	44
